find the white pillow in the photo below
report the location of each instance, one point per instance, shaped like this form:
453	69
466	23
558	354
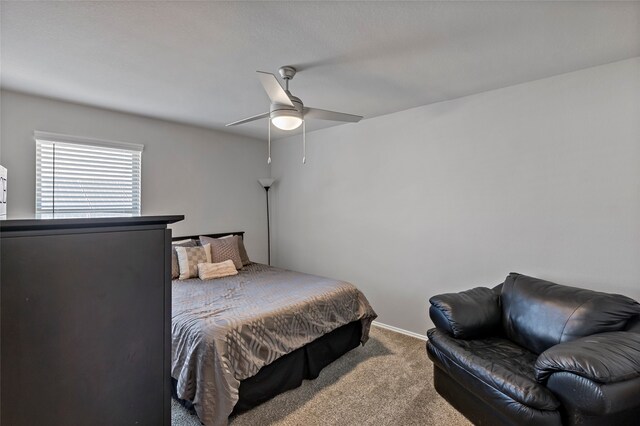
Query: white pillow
208	271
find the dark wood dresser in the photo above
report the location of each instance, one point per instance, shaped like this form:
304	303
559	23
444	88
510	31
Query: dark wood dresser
85	317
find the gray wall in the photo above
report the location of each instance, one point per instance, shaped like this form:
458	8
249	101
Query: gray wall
210	177
541	178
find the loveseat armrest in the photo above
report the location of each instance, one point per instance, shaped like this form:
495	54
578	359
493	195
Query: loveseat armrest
469	314
583	398
634	324
603	358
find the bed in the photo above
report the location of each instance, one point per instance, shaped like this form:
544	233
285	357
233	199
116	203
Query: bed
238	341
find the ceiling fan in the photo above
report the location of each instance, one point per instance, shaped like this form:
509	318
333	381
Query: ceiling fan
287	112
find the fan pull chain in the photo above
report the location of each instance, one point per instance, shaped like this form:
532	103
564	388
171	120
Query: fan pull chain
269	124
304	143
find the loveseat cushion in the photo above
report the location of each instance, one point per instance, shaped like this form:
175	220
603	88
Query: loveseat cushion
498	363
538	314
467	315
603	358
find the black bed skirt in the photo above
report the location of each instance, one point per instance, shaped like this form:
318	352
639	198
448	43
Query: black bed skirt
288	371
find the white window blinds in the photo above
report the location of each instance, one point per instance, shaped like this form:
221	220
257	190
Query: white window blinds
86	176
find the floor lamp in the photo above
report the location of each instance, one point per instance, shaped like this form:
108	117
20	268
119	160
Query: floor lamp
266	184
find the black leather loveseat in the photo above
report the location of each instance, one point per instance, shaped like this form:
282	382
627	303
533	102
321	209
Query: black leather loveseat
531	352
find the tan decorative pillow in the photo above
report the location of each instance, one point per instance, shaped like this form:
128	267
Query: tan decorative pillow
175	268
243	251
223	249
189	257
208	271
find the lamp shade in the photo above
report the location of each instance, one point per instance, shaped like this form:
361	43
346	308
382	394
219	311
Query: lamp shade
266	182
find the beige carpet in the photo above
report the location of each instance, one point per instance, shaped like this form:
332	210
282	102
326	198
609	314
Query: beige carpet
389	381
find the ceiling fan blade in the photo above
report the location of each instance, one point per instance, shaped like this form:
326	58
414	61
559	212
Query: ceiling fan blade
322	114
273	88
249	119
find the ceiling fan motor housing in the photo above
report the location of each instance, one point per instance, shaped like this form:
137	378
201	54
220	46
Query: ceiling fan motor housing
277	110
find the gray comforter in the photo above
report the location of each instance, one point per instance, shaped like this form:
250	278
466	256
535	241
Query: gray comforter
225	330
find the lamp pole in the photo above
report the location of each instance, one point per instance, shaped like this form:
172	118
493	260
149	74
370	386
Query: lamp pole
266	184
266	191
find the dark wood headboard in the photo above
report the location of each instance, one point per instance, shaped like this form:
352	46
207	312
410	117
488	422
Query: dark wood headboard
196	237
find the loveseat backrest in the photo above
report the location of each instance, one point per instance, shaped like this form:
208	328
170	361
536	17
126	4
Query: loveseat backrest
538	314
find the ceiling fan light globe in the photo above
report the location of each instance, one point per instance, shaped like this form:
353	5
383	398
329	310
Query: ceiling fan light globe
286	122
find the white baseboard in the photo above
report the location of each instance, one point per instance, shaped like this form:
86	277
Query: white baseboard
400	330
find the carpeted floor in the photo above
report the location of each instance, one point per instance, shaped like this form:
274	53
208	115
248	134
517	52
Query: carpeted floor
389	381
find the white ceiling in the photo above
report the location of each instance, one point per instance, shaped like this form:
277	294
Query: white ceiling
195	62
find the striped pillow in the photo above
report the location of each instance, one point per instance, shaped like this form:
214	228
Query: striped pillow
175	268
188	259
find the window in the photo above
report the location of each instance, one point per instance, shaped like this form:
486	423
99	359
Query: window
77	176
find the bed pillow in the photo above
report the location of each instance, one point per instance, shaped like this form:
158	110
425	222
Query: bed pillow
175	269
243	252
208	271
223	249
188	259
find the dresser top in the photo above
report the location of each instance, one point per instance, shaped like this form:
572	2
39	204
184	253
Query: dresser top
85	221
